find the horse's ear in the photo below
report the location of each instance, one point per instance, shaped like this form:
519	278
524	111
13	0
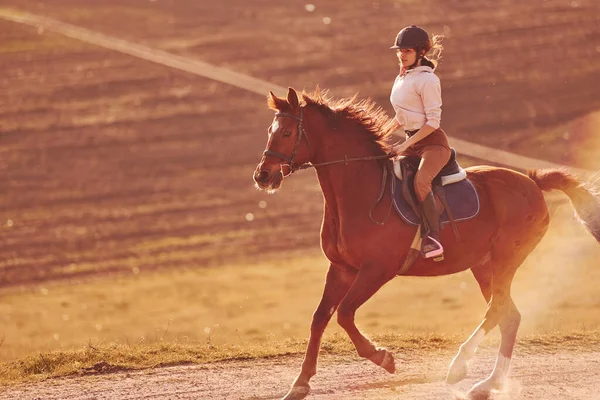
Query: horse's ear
292	98
274	102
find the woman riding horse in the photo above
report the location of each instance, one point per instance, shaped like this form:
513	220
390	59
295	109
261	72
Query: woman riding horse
417	100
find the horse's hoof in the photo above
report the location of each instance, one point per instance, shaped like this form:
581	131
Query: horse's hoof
297	393
457	372
479	394
388	362
483	390
385	360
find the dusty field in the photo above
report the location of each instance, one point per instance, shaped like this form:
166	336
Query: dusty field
535	375
110	163
113	167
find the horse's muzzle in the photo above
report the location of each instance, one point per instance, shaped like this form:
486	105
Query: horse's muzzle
266	181
262	177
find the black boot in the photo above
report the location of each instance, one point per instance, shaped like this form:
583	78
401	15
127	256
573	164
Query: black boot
432	246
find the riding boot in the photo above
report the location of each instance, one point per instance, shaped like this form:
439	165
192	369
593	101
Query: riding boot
432	246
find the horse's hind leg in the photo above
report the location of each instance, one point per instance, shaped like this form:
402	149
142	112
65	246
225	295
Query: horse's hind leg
497	292
509	252
368	281
338	282
509	325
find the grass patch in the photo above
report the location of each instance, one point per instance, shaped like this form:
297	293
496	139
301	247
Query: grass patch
116	357
557	341
95	359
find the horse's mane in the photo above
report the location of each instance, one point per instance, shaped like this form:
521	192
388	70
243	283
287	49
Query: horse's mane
368	116
365	113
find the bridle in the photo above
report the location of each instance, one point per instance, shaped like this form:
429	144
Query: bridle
302	133
293	168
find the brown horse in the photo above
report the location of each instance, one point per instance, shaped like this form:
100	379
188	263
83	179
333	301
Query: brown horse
346	142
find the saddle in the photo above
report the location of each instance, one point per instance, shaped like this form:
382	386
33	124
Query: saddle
458	197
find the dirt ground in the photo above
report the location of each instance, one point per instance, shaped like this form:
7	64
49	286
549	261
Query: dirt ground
535	375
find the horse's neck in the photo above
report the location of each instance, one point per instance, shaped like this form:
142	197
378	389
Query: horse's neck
352	187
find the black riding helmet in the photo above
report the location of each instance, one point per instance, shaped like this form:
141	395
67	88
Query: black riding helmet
411	37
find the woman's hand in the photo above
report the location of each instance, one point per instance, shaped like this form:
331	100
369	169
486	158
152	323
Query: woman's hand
425	131
402	147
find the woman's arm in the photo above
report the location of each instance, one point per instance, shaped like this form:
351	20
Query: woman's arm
425	131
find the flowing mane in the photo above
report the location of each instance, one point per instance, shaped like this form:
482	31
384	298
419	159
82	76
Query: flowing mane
367	115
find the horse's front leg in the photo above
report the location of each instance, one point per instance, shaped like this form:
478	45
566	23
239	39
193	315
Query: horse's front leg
339	279
368	281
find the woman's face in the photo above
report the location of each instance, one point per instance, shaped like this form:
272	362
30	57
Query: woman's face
406	57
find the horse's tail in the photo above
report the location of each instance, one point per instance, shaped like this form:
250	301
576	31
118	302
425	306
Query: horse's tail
584	198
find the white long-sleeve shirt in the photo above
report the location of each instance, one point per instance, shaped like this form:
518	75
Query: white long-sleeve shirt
417	99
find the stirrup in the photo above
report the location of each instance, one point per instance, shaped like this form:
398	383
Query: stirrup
437	252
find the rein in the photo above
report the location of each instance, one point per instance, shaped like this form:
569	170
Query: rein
346	160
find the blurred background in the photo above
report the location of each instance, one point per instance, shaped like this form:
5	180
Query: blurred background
127	206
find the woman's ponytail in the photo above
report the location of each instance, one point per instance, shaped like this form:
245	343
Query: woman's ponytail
435	46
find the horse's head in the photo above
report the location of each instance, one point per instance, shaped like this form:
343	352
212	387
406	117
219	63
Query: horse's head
285	150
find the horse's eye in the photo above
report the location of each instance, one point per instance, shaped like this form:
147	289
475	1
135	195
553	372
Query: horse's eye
287	133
